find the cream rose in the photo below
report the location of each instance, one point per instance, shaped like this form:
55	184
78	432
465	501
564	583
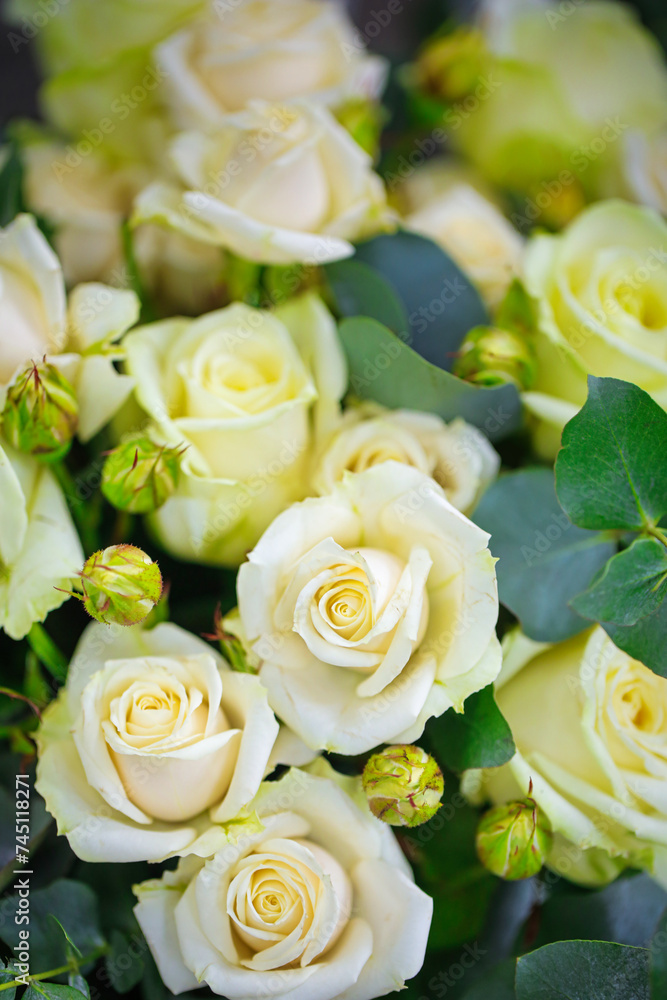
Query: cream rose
371	610
590	726
313	902
275	183
39	547
602	291
152	739
274	50
456	455
451	211
36	320
86	200
250	392
645	169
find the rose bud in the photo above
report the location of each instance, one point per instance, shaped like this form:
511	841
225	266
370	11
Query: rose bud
491	356
41	413
121	585
139	475
513	840
403	785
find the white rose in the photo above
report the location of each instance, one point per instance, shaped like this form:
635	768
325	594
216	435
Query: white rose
39	548
152	739
37	320
456	455
602	292
317	903
469	227
276	184
250	392
590	726
274	50
371	610
86	200
645	169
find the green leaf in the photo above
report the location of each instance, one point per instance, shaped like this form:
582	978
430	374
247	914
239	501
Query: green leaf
612	470
52	991
124	963
632	585
359	290
385	369
658	960
441	302
625	912
645	640
543	559
11	183
583	970
479	737
75	907
47	652
6	976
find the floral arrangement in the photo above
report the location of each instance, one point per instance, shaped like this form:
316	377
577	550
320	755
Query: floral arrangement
333	391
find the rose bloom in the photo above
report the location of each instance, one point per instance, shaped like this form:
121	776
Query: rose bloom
39	547
645	169
278	184
370	610
456	455
590	726
446	205
77	336
310	900
274	50
250	392
602	291
153	737
87	202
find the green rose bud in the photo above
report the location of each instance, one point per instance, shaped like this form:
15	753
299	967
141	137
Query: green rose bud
41	414
139	475
449	67
513	840
120	584
491	356
403	785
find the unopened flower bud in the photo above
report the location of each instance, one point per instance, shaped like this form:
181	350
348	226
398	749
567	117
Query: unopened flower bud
121	585
403	785
491	356
41	413
513	840
139	475
363	119
449	67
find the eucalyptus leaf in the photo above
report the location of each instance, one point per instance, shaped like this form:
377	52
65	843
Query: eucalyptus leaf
124	963
612	469
441	302
360	290
385	369
7	976
583	970
632	585
645	640
52	991
478	737
543	559
75	906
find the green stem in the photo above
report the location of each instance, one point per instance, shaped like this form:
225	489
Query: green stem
92	957
657	533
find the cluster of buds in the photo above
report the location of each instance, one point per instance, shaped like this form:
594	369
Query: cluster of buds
41	414
403	785
139	475
121	585
513	840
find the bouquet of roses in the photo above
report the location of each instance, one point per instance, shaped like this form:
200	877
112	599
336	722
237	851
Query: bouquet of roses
344	421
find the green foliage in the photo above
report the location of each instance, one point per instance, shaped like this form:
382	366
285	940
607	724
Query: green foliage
479	737
583	970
